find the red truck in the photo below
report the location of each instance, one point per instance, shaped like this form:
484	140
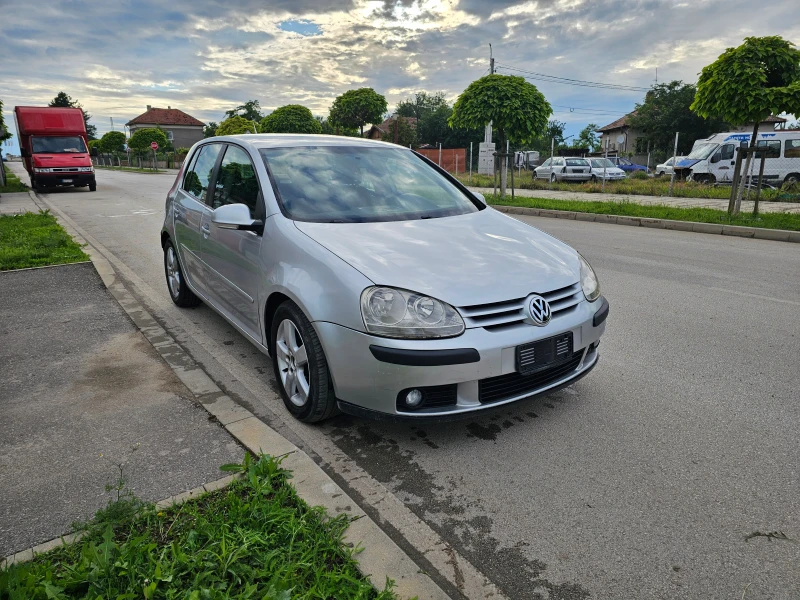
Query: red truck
54	146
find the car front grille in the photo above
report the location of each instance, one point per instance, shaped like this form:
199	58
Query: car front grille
502	315
503	387
65	169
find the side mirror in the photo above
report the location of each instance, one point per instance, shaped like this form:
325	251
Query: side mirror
23	152
716	158
236	216
479	196
93	152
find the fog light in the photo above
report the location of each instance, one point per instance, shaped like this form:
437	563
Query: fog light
413	398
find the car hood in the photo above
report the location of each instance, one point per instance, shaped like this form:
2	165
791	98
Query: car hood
476	258
61	160
686	163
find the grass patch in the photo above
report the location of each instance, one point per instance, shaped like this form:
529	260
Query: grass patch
631	209
13	184
35	240
651	186
255	539
130	169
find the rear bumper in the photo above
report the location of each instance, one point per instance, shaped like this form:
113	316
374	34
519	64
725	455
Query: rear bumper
62	179
573	176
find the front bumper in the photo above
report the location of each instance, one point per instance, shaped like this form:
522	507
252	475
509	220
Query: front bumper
61	179
367	382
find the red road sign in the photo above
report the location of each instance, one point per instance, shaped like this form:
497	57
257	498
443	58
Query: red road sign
154	145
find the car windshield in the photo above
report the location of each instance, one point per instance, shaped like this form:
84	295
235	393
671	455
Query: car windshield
577	162
58	145
702	151
599	163
336	184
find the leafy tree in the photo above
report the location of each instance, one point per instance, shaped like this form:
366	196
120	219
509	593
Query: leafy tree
421	105
517	110
5	134
113	141
665	110
291	118
406	134
587	138
433	127
747	84
236	126
250	110
356	108
141	139
210	130
65	101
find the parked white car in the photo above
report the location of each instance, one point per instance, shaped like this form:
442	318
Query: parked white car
665	168
604	168
564	169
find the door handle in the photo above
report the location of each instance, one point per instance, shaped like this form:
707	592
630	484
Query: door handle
206	230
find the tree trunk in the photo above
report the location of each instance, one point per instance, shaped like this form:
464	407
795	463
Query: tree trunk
503	175
745	171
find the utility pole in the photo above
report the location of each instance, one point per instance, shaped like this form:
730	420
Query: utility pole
112	123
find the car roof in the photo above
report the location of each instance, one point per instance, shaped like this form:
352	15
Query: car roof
294	140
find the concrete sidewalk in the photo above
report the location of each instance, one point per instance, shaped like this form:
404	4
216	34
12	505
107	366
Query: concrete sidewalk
81	392
764	207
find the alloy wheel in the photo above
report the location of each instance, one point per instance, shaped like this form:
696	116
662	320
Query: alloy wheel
292	363
173	273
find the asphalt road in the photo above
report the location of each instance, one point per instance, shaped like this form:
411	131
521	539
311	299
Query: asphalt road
653	477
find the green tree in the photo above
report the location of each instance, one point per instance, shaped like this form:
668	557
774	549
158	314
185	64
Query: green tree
587	138
666	110
236	126
210	130
421	105
747	84
291	118
113	141
142	138
250	110
517	110
5	134
356	108
406	134
65	101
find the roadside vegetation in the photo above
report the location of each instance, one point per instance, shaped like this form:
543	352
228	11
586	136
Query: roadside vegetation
130	169
652	186
631	209
255	539
35	240
13	184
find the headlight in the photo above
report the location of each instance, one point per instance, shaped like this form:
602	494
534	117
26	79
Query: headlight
390	312
41	170
85	169
589	282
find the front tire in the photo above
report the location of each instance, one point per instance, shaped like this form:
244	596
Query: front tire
552	177
176	284
93	187
301	370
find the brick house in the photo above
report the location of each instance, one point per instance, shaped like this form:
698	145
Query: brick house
182	130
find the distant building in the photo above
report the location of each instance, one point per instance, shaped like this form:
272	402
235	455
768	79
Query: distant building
182	130
622	139
376	131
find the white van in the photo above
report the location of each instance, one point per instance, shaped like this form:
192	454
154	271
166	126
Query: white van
713	159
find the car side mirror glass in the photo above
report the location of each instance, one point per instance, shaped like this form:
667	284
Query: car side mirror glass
93	152
23	152
236	216
716	158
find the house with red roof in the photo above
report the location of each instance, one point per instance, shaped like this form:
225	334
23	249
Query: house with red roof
182	129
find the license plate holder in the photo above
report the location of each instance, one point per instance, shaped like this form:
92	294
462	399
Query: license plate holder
66	181
543	354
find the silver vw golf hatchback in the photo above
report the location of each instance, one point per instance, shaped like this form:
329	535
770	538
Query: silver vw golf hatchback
377	284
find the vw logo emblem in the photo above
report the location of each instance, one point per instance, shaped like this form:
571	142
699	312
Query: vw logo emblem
539	310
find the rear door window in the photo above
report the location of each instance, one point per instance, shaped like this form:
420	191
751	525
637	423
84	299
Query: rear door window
792	149
199	174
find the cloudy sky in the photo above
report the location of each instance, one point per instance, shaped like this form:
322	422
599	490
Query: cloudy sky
206	57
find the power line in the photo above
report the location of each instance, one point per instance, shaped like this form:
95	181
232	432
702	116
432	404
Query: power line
577	82
598	111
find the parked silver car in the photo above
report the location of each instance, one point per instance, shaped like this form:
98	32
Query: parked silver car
564	169
666	167
375	281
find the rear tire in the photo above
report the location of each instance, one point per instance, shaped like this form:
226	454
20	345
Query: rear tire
176	284
301	370
792	179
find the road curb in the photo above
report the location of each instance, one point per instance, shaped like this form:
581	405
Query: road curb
759	233
381	558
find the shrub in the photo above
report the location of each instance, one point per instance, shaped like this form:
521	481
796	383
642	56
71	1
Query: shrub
291	118
639	175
